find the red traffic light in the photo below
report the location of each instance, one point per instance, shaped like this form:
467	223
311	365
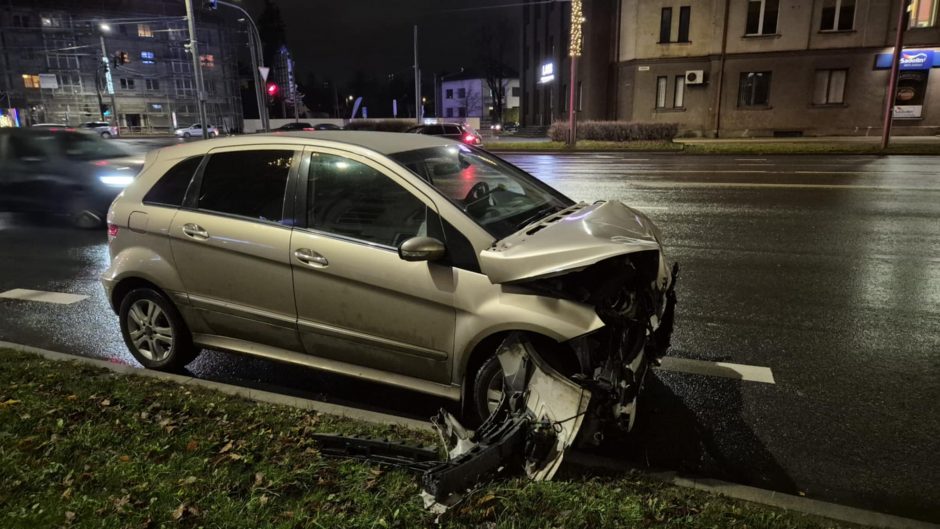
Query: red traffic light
273	89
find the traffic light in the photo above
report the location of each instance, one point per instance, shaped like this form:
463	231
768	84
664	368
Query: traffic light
273	89
105	110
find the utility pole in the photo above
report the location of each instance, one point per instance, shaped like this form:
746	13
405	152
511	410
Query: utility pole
574	51
893	77
417	82
197	69
109	82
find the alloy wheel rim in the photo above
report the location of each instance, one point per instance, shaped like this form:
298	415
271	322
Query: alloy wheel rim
150	330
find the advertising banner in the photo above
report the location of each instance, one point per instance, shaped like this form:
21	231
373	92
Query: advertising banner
909	99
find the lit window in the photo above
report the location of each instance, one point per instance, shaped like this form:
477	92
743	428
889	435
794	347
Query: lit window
143	30
838	15
924	13
147	57
207	61
30	81
830	87
678	97
762	17
661	91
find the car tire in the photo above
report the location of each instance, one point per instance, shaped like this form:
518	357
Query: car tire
84	217
154	331
186	135
486	391
105	135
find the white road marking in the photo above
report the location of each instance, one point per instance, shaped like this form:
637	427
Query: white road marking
746	185
59	298
750	159
648	208
719	369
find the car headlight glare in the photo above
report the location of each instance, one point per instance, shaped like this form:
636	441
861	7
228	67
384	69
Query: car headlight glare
116	180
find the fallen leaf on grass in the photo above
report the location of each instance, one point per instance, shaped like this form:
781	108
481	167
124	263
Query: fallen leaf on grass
72	397
178	513
69	516
124	459
226	448
192	446
106	402
9	402
188	481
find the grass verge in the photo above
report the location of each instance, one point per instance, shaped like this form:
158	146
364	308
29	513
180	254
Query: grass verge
742	147
83	447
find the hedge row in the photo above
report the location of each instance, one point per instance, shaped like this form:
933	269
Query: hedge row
384	125
615	131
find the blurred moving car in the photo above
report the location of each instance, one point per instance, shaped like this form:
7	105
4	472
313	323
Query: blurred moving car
48	126
63	172
195	130
326	126
454	131
299	125
103	128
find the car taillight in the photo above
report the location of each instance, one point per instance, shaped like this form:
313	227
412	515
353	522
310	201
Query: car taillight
470	138
112	231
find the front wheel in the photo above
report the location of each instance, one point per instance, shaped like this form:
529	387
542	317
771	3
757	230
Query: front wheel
154	331
487	389
186	135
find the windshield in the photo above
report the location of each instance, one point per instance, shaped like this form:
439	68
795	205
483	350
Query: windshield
499	197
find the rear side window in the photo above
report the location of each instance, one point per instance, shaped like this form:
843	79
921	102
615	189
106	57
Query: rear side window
171	188
246	183
451	129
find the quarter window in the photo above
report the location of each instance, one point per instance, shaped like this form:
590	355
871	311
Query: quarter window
754	89
246	183
762	17
171	188
351	199
838	15
830	87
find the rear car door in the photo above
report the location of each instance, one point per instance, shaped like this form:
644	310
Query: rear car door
357	301
31	170
231	245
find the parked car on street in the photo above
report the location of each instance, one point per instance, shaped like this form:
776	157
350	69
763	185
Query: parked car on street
403	259
195	130
103	128
295	126
63	172
455	131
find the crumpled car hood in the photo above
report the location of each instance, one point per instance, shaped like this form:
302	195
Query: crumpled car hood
569	240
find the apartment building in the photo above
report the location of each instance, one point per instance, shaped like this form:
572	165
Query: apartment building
736	68
470	96
52	69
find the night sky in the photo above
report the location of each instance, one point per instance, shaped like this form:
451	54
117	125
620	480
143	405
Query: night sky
335	39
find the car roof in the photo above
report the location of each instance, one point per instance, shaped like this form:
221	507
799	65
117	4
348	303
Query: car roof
380	142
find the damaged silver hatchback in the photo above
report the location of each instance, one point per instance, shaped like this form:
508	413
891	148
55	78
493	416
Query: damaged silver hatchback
404	259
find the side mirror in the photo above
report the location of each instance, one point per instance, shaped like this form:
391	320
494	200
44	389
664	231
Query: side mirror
421	249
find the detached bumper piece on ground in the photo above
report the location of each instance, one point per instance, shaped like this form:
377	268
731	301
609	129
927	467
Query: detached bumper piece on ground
540	415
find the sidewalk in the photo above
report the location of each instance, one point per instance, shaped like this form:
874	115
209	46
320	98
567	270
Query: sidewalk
873	140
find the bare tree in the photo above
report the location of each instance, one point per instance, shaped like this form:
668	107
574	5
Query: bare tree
494	63
472	101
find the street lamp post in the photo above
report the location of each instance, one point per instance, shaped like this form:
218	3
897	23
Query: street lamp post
109	80
257	60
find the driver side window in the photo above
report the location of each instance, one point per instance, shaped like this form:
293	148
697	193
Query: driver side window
351	199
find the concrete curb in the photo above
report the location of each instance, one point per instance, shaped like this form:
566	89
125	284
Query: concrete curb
770	498
229	389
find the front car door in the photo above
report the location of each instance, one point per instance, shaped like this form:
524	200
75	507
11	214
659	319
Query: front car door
357	301
231	245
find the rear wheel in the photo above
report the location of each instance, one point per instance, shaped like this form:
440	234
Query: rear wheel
154	331
487	389
105	135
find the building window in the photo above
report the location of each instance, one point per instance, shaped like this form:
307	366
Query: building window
50	21
127	84
515	91
449	93
450	112
21	21
207	61
665	25
147	57
661	91
461	93
462	112
754	89
830	87
685	15
924	13
30	81
838	15
152	84
678	96
69	82
184	87
143	30
762	17
180	67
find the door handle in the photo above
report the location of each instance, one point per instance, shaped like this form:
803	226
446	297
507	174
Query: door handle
195	231
310	257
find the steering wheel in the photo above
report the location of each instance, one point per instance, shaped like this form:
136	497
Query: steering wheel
478	191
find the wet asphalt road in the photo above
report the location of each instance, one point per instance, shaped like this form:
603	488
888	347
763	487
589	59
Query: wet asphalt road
824	269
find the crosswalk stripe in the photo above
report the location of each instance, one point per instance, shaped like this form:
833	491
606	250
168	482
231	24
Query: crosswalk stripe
59	298
718	369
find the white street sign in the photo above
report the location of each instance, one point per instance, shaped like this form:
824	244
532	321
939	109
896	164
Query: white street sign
264	72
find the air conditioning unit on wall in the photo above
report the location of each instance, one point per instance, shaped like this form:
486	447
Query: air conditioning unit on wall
695	77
